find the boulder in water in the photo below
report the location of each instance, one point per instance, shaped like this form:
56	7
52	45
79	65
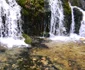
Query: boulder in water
82	40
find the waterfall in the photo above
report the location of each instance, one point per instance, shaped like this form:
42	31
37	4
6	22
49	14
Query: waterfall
82	27
81	30
10	27
57	17
72	29
57	29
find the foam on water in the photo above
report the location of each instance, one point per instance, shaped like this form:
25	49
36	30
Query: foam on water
71	38
10	42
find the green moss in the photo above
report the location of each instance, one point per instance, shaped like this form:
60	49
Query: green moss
21	2
33	12
67	8
25	12
31	6
67	15
28	40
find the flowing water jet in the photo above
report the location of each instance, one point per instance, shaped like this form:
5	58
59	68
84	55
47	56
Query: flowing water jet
82	27
57	17
10	24
72	28
81	30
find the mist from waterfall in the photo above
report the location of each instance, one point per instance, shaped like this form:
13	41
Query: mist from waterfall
57	17
10	23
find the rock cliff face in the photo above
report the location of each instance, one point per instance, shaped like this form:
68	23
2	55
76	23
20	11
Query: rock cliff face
67	15
77	18
79	3
82	4
37	15
77	13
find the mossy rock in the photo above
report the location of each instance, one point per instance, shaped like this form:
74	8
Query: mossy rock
28	40
45	34
67	9
22	2
2	49
25	12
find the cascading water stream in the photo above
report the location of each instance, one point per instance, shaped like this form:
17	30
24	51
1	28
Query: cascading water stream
82	27
10	27
56	25
10	14
57	29
81	30
72	29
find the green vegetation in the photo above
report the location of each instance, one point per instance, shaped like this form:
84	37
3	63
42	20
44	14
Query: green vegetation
22	2
33	11
28	40
67	13
67	8
30	6
36	12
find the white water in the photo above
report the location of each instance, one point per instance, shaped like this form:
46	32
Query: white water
10	27
72	29
57	17
72	37
82	27
57	28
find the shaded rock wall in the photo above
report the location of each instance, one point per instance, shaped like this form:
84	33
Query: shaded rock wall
79	3
77	17
36	15
67	15
77	14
